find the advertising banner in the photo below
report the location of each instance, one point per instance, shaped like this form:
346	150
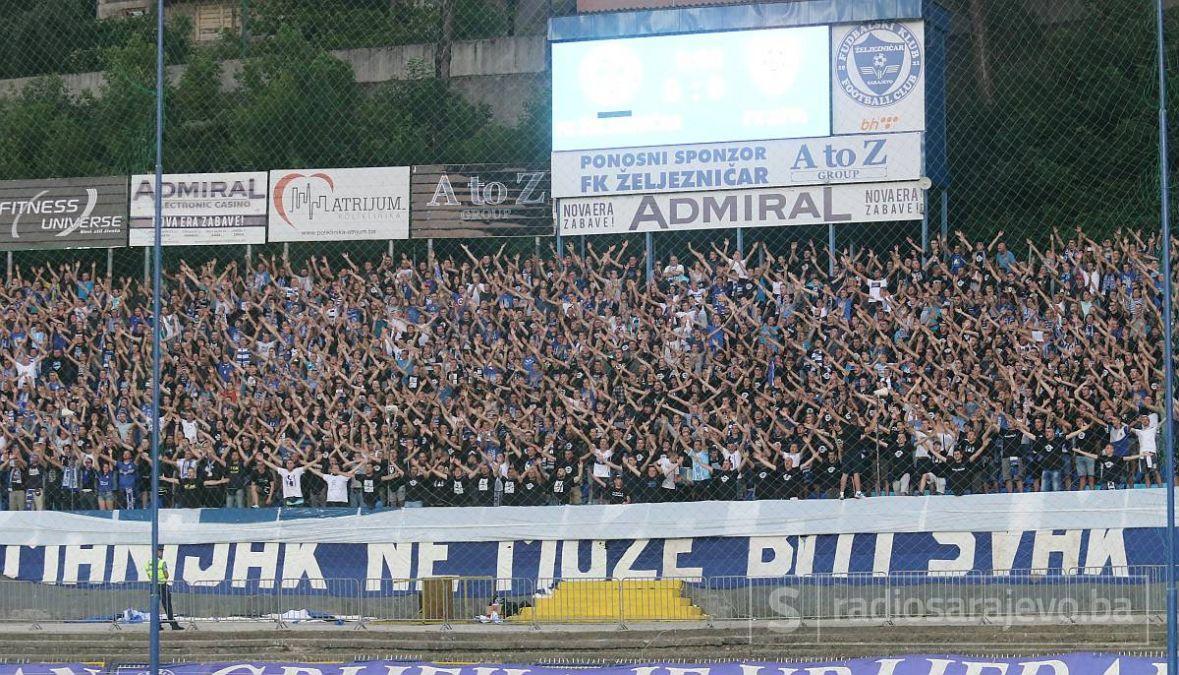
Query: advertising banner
481	200
1080	663
878	77
201	209
339	204
727	166
853	203
63	213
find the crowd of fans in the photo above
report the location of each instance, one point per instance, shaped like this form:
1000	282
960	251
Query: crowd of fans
577	379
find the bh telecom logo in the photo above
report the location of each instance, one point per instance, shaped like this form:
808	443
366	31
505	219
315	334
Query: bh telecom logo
878	64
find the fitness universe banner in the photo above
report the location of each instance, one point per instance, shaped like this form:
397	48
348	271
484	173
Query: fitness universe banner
726	166
1096	552
1063	664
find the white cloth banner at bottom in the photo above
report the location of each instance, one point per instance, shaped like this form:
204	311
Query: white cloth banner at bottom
770	207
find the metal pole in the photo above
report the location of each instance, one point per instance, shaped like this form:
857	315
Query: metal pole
536	247
581	246
946	217
1168	355
8	265
649	244
155	344
741	242
925	227
390	249
249	256
110	263
146	265
831	249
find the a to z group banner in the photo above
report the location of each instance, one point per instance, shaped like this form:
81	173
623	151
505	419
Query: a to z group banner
63	213
725	166
200	209
1082	663
675	212
481	200
339	204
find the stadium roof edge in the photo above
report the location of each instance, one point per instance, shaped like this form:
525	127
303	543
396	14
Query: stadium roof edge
670	21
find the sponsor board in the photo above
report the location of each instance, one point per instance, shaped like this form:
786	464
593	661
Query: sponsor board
815	205
480	200
63	213
339	204
878	77
201	209
727	166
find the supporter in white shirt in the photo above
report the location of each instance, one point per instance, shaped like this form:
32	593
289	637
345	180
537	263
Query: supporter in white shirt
292	481
1147	432
337	484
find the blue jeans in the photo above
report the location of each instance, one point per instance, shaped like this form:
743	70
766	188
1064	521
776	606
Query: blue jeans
1050	480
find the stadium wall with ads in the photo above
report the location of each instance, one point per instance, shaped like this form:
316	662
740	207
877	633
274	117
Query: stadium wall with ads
1104	532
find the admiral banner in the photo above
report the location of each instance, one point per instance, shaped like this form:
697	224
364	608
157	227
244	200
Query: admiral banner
878	77
201	209
63	213
481	200
862	203
720	166
339	204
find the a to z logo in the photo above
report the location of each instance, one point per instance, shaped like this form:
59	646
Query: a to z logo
879	64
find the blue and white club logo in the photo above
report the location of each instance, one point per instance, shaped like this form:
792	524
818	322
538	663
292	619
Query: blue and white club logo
879	64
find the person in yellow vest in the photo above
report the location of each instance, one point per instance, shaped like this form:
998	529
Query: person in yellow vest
164	586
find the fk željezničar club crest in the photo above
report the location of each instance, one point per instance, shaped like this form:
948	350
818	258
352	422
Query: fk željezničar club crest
879	64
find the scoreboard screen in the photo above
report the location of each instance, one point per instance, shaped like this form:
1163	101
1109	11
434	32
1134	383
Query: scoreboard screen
698	88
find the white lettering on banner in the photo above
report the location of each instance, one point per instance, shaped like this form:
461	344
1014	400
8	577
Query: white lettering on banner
12	561
49	575
241	668
742	208
1107	547
245	558
394	558
672	550
959	564
1004	546
503	565
843	550
882	556
804	555
624	569
430	554
781	556
721	166
1053	666
138	556
571	565
192	571
91	557
1046	542
299	563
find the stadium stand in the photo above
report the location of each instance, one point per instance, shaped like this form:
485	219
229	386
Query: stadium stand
499	380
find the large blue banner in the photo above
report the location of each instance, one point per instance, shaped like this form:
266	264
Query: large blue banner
222	566
1066	664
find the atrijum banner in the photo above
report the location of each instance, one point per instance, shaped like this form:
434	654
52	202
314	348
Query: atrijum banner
878	77
816	205
339	204
63	213
481	200
1081	663
726	166
201	209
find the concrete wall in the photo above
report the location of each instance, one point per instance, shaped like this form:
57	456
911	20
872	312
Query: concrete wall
499	72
